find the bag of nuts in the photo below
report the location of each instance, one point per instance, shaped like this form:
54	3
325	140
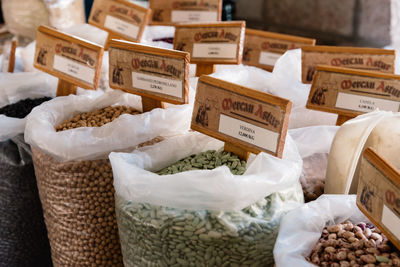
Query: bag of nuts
332	231
197	212
314	143
71	138
23	236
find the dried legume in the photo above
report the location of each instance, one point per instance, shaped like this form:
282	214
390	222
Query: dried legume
22	108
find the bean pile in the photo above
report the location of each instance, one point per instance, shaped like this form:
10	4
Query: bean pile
96	118
22	108
207	160
78	201
349	244
23	236
313	176
154	235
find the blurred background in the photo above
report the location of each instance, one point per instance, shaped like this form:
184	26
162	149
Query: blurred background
373	23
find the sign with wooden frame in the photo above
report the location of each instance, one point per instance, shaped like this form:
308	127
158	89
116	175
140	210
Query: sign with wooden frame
246	120
378	194
120	18
351	92
372	59
262	49
10	48
76	62
170	12
156	74
211	43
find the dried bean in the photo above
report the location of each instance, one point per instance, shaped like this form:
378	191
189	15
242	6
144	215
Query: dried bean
22	108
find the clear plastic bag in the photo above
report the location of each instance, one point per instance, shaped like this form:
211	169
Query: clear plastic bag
314	143
74	175
203	216
301	228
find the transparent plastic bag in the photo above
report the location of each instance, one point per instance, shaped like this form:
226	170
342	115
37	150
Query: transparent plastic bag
203	216
314	143
74	175
301	229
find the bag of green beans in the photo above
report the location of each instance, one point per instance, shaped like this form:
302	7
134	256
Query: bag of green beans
197	212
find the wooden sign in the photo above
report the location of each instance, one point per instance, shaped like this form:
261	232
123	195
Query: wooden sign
76	62
121	18
246	119
262	49
350	92
169	12
378	194
8	63
373	59
211	43
156	74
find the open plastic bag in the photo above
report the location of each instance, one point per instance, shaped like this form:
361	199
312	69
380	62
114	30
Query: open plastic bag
202	216
23	236
74	174
301	228
314	143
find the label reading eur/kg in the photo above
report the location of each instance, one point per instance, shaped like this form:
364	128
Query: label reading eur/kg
351	92
121	26
188	15
157	84
251	120
215	50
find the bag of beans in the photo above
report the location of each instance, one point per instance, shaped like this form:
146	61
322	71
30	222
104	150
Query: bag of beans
313	143
71	138
208	208
284	81
332	231
23	236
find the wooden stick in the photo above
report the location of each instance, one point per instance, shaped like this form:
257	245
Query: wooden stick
238	151
342	119
204	69
148	104
11	62
65	88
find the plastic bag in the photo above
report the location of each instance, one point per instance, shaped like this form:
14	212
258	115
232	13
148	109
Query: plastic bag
159	36
74	174
65	13
234	219
347	146
301	228
314	143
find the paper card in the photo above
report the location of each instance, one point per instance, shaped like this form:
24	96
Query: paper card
121	18
69	58
169	12
214	43
378	194
351	92
252	120
157	73
372	59
262	49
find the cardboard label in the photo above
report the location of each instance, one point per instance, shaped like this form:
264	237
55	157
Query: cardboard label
347	57
69	58
156	73
250	119
219	43
121	18
378	194
350	92
262	49
173	11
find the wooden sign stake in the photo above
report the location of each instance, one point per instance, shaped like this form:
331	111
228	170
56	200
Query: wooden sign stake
11	63
65	88
148	104
204	69
238	151
342	119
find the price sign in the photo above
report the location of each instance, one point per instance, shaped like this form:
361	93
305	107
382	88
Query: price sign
169	12
246	119
121	18
76	62
350	92
154	73
373	59
262	49
378	194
